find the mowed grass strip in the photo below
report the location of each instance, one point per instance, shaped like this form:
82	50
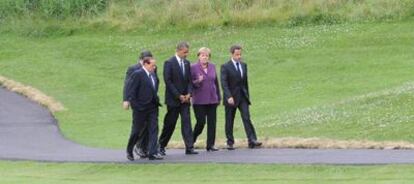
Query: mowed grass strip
31	172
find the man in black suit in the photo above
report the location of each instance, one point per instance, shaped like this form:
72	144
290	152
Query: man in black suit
144	101
234	83
178	84
140	147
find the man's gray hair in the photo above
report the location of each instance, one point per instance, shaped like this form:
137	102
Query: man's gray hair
182	45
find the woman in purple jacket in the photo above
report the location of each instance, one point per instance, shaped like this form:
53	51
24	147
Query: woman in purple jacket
205	96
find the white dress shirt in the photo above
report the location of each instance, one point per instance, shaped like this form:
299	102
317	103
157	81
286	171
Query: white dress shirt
235	66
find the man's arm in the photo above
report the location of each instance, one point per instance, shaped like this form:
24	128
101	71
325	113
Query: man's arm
133	84
168	80
127	77
247	82
125	103
224	82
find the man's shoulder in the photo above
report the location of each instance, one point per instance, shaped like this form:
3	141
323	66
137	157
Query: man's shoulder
133	68
187	61
226	64
171	59
138	72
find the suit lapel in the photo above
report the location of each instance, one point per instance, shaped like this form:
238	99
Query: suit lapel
155	86
243	65
178	68
156	83
233	68
187	72
148	81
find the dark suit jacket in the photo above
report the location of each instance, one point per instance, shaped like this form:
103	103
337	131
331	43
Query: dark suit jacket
131	69
129	72
233	84
141	93
175	83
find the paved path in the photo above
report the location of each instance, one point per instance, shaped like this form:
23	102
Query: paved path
29	132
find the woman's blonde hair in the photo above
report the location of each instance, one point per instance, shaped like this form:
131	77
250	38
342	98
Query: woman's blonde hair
204	50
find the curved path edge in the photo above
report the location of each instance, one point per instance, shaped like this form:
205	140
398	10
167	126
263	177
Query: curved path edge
28	131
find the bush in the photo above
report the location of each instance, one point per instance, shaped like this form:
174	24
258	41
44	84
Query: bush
184	14
51	8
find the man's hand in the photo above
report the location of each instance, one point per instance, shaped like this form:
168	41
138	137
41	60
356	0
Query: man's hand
183	98
125	105
187	98
230	101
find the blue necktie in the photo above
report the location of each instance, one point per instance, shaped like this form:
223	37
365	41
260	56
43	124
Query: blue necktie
238	69
152	80
182	67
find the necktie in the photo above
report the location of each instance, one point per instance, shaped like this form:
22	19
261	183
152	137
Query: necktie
152	80
182	67
238	69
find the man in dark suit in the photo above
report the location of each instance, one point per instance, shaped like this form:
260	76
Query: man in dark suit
235	87
140	148
178	84
144	101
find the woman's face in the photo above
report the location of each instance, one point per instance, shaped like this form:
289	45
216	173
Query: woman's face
203	57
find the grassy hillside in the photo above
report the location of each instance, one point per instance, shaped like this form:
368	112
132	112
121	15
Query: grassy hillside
51	17
341	81
340	69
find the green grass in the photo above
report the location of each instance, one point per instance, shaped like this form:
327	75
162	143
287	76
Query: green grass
346	75
343	81
30	172
28	16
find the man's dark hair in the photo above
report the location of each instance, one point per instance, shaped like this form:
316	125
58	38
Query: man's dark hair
145	53
235	47
182	45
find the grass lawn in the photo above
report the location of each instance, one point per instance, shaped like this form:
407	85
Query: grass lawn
344	81
341	81
31	172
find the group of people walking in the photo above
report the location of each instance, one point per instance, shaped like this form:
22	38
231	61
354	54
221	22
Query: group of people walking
185	84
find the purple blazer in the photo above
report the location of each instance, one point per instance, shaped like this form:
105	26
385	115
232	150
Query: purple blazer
206	91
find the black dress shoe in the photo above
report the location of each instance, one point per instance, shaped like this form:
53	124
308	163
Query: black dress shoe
255	144
191	152
230	147
155	157
212	149
130	156
140	152
162	152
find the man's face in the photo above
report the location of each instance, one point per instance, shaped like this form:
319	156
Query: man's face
151	66
236	55
183	53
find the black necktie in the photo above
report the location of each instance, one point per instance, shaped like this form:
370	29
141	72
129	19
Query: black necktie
238	69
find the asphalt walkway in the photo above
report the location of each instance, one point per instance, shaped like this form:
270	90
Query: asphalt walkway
29	132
